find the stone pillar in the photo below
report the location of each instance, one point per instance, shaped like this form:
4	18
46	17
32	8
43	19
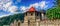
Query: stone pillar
15	23
32	21
38	22
25	21
11	24
19	23
42	15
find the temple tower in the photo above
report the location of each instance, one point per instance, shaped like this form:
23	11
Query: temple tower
31	16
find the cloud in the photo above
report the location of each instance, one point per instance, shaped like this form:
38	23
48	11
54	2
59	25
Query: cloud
4	15
24	9
34	5
6	6
38	6
4	1
42	4
12	9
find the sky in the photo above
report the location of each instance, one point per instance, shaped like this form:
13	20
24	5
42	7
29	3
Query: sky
11	7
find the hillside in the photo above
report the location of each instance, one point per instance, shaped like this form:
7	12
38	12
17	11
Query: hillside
8	19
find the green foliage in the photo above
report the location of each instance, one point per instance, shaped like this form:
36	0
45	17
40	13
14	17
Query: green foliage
8	19
53	13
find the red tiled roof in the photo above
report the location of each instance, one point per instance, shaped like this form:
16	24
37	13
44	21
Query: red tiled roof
32	9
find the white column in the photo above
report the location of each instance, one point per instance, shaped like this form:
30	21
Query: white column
42	15
37	23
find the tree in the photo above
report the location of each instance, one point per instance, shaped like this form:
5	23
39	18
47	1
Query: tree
53	13
8	19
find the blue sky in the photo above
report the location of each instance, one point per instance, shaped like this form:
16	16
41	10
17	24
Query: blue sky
10	7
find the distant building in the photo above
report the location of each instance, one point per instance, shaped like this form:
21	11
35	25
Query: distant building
31	18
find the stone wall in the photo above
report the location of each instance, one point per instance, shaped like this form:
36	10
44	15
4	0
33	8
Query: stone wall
50	23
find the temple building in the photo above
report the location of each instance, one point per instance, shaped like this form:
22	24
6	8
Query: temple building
31	18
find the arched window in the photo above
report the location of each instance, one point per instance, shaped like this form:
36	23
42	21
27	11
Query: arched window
18	23
26	14
31	14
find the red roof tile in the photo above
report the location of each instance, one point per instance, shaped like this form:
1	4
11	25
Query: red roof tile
32	9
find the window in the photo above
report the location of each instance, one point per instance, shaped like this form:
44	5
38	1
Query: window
26	14
31	14
37	14
18	23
